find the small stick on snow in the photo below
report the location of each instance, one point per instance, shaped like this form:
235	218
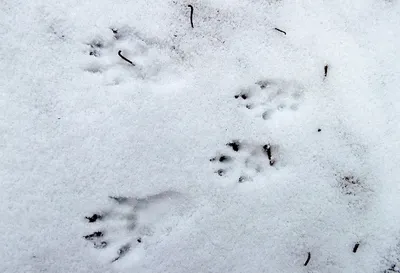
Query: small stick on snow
191	15
284	32
356	247
267	149
326	70
125	59
308	259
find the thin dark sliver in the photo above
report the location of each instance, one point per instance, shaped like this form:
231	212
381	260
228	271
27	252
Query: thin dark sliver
125	59
191	15
355	247
308	259
284	32
267	149
326	70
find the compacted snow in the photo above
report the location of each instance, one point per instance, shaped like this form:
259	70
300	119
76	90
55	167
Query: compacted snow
265	138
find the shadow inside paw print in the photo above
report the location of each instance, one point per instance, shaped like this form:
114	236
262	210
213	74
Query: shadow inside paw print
244	159
266	97
129	222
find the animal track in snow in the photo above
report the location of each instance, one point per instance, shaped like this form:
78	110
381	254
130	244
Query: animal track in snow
356	191
392	260
130	223
244	161
267	97
151	58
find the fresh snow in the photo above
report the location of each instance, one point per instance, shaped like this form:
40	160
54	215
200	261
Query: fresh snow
80	125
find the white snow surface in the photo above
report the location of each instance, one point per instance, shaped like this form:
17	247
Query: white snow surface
79	124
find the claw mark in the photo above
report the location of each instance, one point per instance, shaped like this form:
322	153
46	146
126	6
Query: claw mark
356	247
94	218
267	149
122	252
280	30
125	59
308	259
191	15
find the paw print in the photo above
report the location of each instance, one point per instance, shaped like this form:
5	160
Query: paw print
123	53
392	260
129	223
244	161
266	97
354	190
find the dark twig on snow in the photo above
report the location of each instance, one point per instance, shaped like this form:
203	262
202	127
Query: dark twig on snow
125	59
326	70
191	15
280	30
308	259
267	149
356	247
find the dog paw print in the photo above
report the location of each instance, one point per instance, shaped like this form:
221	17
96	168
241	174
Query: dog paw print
356	192
267	98
129	223
123	53
244	161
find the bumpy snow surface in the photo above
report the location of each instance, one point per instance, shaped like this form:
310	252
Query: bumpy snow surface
265	138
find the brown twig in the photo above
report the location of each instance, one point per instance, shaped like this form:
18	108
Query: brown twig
125	59
267	149
284	32
191	15
356	247
308	259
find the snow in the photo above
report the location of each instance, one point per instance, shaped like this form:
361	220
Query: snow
80	124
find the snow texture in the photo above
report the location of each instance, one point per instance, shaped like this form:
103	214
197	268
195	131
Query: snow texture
132	142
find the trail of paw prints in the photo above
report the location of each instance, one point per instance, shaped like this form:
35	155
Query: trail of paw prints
244	161
267	98
123	53
129	223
